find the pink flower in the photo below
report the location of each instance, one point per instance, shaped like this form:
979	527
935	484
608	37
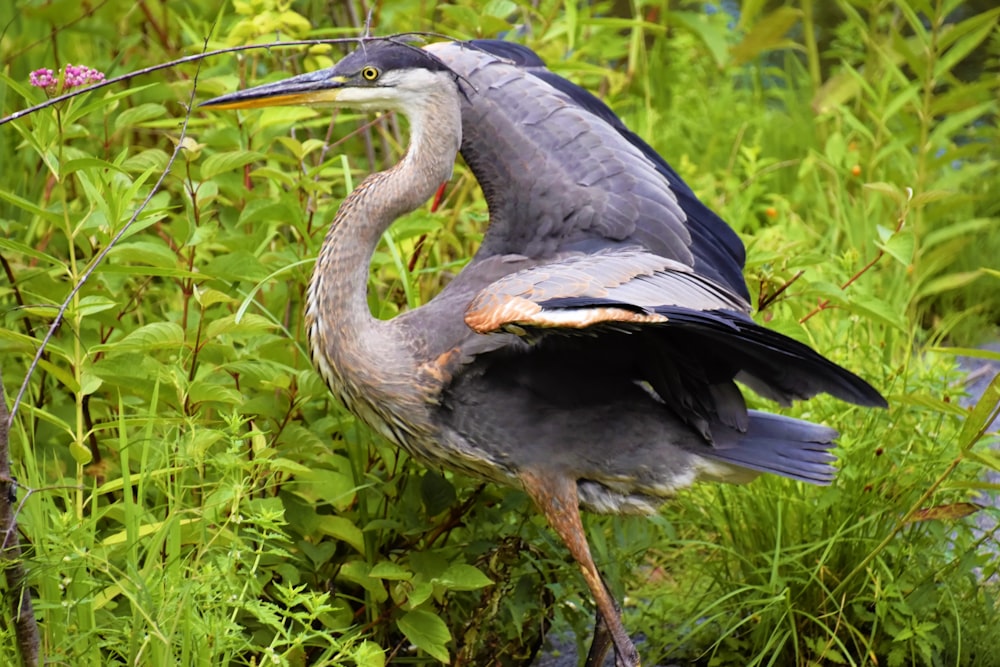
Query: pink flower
44	78
80	75
72	77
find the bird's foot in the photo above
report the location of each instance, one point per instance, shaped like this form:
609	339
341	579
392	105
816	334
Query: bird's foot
625	656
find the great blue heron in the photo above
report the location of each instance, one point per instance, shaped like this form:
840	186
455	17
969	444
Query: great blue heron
588	351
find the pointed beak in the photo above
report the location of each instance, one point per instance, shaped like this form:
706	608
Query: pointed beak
312	88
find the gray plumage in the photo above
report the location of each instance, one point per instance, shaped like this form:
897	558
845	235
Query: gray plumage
588	352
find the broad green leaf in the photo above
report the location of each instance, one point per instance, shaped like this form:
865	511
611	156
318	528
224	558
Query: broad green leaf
357	572
28	251
962	229
983	415
90	164
249	324
273	176
900	246
223	162
983	486
437	492
844	87
107	595
427	632
711	34
209	297
49	417
499	8
239	265
202	391
151	158
836	149
80	453
293	145
60	373
368	654
460	15
29	206
90	305
949	282
103	100
138	270
878	310
428	564
419	592
25	343
154	336
925	400
462	577
139	114
766	34
285	115
152	252
749	11
342	528
89	383
145	530
325	486
387	569
955	122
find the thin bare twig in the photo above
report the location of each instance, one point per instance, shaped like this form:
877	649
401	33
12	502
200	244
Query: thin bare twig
766	300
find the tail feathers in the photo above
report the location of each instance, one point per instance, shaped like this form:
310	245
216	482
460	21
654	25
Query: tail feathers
782	446
772	364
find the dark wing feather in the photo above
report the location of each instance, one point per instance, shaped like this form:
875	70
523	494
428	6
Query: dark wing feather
687	337
717	251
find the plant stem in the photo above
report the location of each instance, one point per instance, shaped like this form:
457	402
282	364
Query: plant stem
22	610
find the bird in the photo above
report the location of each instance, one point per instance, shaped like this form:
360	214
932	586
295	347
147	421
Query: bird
589	352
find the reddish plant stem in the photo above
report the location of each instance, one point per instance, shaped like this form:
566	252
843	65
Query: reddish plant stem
825	303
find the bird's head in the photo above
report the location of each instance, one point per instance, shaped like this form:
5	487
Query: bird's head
380	75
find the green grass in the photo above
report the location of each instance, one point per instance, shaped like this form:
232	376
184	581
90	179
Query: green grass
190	493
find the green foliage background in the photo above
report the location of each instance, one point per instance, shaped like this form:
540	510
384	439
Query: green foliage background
189	493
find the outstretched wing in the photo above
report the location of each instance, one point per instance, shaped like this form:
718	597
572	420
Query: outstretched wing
560	172
599	256
686	336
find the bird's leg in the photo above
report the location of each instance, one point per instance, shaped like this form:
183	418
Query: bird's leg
556	497
601	642
602	639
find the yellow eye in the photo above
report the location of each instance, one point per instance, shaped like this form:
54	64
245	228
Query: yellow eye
369	73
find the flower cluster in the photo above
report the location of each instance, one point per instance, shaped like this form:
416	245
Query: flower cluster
73	76
44	78
81	75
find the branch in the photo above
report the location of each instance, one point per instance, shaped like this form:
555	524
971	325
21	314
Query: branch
825	303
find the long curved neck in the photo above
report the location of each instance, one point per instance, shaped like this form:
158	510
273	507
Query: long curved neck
361	357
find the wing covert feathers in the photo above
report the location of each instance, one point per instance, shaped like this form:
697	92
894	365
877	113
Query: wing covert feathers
578	291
